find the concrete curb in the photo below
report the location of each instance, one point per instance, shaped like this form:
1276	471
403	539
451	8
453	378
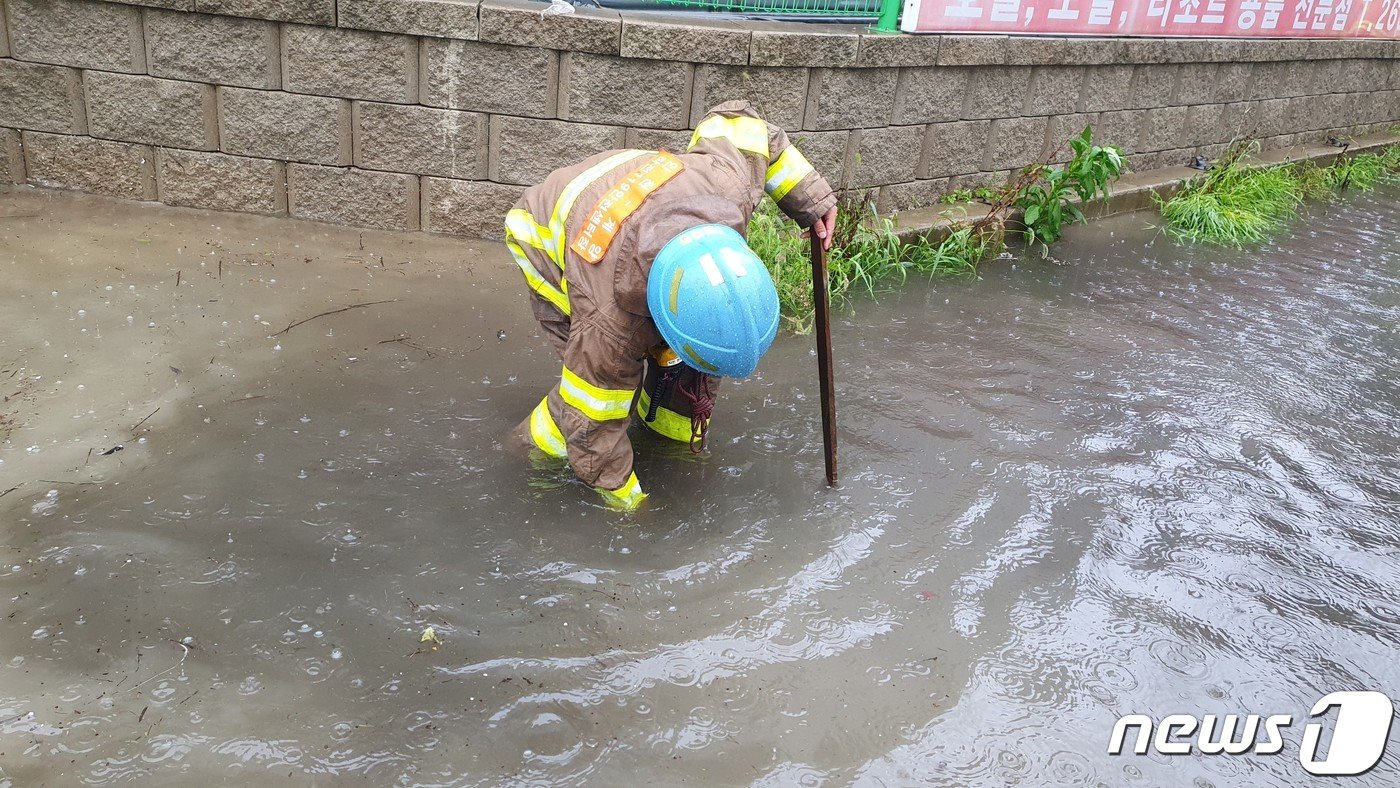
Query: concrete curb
1133	192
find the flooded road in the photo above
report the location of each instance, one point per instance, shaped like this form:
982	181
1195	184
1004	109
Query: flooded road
1156	479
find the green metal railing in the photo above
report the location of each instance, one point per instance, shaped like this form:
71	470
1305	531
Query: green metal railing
885	11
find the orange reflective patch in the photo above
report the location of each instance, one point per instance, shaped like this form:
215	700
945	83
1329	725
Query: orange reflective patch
621	201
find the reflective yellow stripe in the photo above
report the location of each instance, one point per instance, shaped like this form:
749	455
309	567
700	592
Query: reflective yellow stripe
521	226
746	134
668	423
536	282
786	172
570	195
626	497
545	432
596	403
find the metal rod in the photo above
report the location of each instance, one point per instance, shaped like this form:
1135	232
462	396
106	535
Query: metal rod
825	374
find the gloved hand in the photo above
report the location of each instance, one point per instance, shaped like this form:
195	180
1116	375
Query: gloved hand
625	498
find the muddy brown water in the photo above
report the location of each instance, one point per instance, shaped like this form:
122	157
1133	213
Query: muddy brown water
1154	479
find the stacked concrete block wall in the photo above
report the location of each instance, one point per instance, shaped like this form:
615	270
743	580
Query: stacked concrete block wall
435	114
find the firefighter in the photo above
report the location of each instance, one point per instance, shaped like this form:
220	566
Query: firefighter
640	275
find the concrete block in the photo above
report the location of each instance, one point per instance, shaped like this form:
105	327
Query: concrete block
166	112
778	94
694	39
77	33
1144	162
1379	107
1053	89
850	98
1205	124
310	12
955	148
997	92
165	5
1241	119
829	152
886	50
1120	128
1167	50
670	140
1107	88
1301	113
1212	152
1331	109
441	18
1163	128
930	94
973	181
41	98
339	195
1365	75
217	182
1233	82
790	45
978	50
1044	51
525	150
519	22
272	125
1330	76
490	77
897	197
220	50
887	155
400	138
602	89
1060	128
11	157
1271	80
1153	86
1013	143
1195	84
350	63
114	169
1273	120
476	209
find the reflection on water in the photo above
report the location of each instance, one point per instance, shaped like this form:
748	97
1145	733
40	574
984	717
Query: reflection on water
1154	479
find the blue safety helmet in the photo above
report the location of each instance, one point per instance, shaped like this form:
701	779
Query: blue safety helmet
713	301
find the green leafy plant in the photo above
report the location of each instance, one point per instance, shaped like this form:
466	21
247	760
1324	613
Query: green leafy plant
956	196
1047	195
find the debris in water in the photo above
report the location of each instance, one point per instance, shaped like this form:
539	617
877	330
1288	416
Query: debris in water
430	636
112	450
332	312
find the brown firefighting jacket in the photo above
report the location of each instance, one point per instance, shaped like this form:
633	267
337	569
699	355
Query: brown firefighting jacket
595	313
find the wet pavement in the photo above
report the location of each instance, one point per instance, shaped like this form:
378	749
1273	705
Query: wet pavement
1152	479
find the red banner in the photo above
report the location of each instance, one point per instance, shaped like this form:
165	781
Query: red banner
1212	18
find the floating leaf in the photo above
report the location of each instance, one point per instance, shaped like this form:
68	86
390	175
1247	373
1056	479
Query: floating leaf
430	636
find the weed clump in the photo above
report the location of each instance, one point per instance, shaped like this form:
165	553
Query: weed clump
1233	205
867	255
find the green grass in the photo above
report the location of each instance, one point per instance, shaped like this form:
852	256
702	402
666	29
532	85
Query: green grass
866	257
1236	206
